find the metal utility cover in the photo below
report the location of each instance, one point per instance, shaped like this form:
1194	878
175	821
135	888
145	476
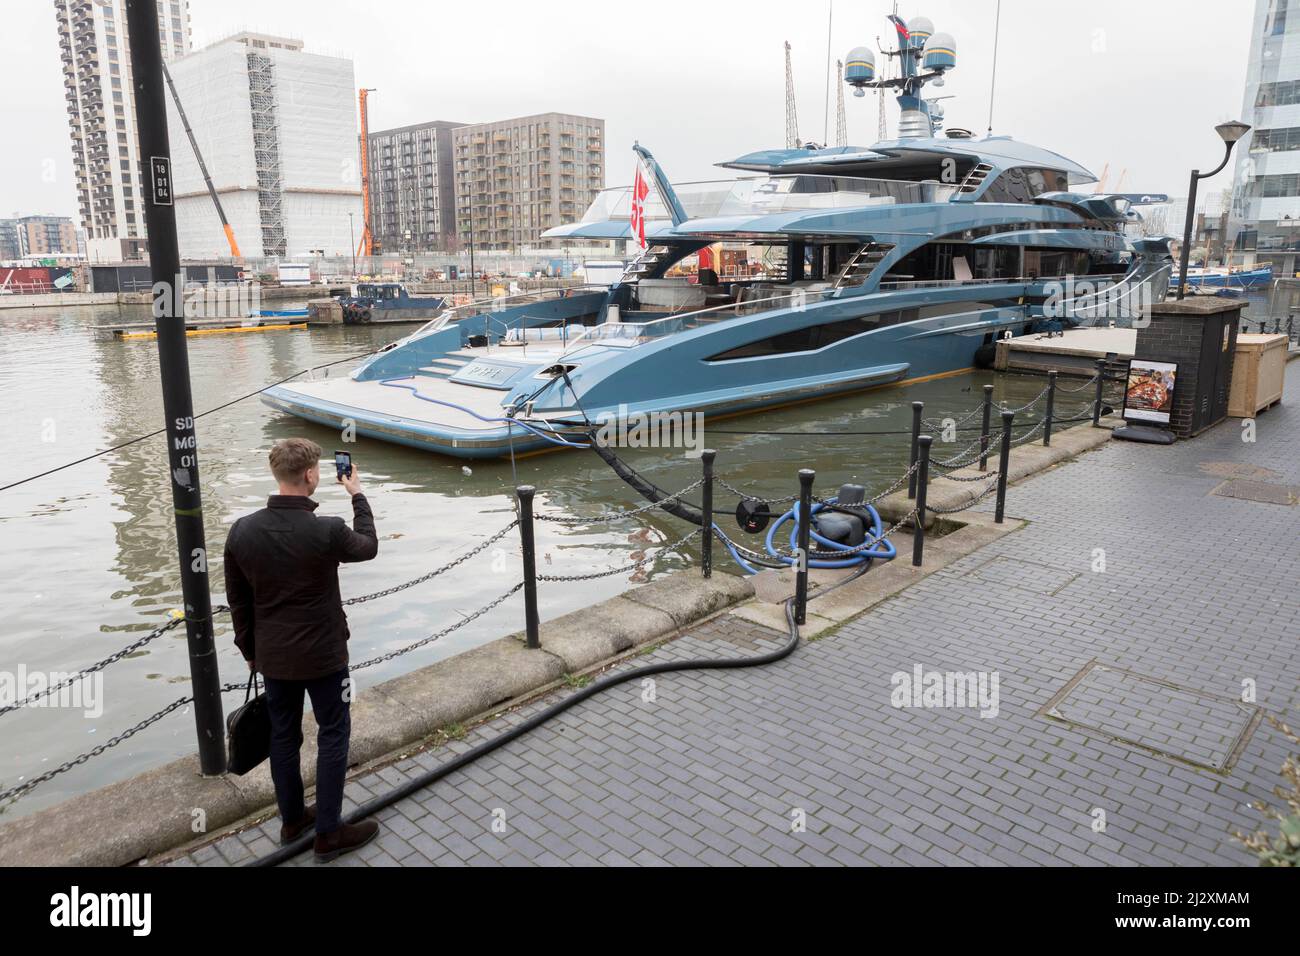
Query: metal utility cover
1026	575
1204	729
1264	491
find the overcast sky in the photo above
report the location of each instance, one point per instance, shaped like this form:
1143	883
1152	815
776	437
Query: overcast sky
1136	84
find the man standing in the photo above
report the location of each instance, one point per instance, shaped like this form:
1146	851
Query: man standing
282	585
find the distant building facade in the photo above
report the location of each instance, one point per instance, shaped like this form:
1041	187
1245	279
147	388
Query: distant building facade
37	236
277	127
1265	217
516	178
101	114
412	191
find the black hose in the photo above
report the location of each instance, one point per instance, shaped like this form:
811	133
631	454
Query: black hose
648	489
371	807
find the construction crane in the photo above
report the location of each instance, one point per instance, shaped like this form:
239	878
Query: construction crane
203	168
841	121
368	246
791	116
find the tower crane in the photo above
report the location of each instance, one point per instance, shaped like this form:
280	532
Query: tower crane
368	245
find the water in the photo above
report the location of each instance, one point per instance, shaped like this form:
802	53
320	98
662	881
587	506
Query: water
88	554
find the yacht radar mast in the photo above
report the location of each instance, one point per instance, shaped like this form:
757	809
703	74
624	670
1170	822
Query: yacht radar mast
924	57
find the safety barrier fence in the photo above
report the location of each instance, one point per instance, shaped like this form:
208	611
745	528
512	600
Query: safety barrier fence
808	548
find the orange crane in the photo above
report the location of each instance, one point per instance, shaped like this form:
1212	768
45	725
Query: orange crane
368	245
203	167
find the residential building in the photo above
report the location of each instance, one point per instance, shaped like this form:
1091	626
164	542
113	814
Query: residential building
101	113
412	192
277	128
37	236
516	178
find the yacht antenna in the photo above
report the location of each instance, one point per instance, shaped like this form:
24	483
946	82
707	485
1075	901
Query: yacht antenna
841	121
993	82
791	117
826	111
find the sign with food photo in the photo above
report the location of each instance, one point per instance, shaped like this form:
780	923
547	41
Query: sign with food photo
1149	393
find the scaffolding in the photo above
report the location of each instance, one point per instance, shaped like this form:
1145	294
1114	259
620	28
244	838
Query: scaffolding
266	152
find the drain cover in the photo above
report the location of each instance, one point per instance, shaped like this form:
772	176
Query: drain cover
1039	578
1264	491
1189	725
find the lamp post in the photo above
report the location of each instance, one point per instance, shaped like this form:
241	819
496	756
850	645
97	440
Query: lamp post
1229	132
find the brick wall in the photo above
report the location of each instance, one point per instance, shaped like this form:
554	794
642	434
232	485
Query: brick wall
1175	334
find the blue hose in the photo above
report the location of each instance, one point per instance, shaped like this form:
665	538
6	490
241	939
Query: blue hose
883	549
510	422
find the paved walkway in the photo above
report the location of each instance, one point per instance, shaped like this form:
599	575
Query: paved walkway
1199	593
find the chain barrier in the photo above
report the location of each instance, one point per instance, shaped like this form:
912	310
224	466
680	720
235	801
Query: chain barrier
440	634
1080	388
940	422
14	792
477	549
1027	407
634	566
992	487
608	516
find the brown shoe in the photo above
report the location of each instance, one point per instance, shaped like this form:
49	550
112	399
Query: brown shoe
290	833
345	839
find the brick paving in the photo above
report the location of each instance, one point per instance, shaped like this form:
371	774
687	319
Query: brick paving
1200	593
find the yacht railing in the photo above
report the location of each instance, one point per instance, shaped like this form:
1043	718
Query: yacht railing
499	303
624	334
759	195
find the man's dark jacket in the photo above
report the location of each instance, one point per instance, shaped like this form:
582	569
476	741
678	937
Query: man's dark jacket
282	584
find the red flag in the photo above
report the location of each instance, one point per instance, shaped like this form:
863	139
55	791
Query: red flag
640	189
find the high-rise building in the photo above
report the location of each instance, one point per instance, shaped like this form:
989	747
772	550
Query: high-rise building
37	236
516	178
412	193
101	111
1265	218
277	128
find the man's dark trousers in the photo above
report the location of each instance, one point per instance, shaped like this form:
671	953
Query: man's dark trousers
333	718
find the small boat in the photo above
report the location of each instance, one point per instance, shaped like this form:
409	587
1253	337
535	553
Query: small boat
278	314
377	302
1227	279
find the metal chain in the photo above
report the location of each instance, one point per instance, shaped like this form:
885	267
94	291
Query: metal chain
993	486
478	549
939	422
956	460
1080	388
980	477
871	542
752	497
1029	434
619	515
1024	408
100	665
635	565
20	789
440	634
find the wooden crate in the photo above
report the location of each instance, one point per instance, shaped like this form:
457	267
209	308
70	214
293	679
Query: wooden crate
1258	370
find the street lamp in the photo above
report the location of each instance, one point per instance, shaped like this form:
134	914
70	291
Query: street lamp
1229	132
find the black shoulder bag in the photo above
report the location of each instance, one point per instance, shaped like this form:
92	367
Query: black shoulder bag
248	731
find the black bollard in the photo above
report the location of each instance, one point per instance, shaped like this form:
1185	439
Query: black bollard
706	549
923	480
525	494
1096	398
1051	408
1004	465
806	478
917	408
984	428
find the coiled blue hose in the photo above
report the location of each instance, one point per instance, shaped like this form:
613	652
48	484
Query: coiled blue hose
882	550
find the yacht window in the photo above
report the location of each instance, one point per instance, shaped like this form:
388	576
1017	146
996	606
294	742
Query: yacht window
1023	183
813	337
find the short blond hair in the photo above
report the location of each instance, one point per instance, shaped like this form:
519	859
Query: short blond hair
290	457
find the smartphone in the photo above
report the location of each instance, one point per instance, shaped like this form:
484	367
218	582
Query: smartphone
343	464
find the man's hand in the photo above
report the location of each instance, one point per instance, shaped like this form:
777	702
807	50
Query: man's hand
352	482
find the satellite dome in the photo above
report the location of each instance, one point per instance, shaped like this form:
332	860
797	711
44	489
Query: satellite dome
860	68
940	52
920	29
